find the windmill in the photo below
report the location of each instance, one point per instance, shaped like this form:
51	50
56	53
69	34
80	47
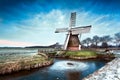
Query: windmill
72	39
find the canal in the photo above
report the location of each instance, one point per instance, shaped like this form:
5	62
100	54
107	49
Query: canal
62	69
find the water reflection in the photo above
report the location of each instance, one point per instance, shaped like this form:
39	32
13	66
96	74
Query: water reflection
73	75
69	65
17	74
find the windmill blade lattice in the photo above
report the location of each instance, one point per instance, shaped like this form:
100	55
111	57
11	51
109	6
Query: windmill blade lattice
73	20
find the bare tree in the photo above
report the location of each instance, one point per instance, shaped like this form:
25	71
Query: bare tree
87	41
105	40
96	40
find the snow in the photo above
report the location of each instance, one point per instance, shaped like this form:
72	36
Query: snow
111	71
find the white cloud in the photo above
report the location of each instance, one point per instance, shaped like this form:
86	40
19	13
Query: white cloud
101	24
53	19
40	29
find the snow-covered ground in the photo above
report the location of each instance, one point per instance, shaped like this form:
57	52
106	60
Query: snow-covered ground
111	71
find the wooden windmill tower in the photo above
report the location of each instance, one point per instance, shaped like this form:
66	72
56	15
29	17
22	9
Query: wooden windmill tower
72	40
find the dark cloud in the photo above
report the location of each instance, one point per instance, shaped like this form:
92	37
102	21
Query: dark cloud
15	10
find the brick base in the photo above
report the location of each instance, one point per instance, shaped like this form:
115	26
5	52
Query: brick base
73	48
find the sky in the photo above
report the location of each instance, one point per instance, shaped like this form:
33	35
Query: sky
33	22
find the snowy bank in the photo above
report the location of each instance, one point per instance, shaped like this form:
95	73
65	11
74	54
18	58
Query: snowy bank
111	71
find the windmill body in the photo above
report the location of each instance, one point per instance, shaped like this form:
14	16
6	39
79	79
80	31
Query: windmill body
72	41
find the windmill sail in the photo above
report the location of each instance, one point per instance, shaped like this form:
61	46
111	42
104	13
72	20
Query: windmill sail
80	30
61	30
73	20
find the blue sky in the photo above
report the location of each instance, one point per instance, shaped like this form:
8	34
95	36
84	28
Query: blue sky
33	22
